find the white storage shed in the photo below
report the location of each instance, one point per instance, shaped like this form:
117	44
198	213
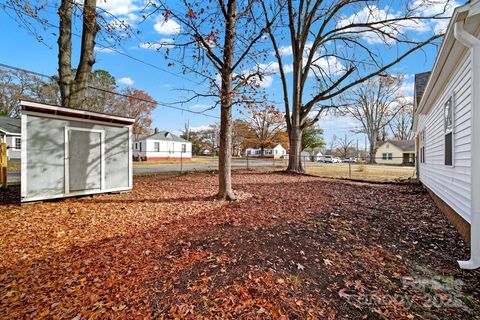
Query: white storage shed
69	152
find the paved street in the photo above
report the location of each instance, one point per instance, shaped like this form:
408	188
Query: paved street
142	168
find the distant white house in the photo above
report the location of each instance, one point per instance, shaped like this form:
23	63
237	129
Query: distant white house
162	145
278	152
312	155
447	127
10	133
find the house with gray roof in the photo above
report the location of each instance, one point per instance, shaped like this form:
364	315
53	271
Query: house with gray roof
10	133
161	145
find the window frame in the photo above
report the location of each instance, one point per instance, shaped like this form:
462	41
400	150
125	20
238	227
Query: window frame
155	145
16	144
449	131
423	144
184	147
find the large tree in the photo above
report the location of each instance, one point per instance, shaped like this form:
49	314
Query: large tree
137	104
73	85
220	39
402	124
266	122
375	103
102	97
334	45
345	147
19	84
312	138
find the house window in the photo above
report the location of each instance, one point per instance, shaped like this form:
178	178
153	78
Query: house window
140	146
156	146
136	145
448	117
387	156
422	146
18	143
184	148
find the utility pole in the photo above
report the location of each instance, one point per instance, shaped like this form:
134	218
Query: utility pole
356	157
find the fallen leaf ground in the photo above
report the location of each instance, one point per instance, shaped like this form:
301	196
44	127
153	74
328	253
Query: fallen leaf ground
291	247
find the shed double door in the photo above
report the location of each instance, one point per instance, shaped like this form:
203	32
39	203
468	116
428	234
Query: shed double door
84	161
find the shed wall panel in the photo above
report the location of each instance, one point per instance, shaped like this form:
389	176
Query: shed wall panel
45	156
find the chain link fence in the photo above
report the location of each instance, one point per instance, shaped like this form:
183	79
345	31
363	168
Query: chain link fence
392	168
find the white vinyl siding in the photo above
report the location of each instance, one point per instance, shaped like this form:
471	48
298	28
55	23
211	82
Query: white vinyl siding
450	183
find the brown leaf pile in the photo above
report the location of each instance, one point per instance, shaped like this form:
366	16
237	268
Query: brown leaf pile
290	247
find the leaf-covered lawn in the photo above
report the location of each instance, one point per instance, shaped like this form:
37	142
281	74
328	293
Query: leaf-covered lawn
291	247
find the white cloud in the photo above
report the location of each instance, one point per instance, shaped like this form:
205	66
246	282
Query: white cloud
436	8
200	106
200	128
332	122
125	81
330	66
162	43
169	27
273	67
286	50
264	82
407	88
104	50
373	14
119	7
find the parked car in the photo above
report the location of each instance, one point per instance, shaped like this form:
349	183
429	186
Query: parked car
350	160
338	160
328	159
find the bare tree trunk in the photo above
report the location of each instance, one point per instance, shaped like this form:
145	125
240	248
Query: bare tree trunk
73	91
295	132
225	191
294	157
372	150
65	51
87	59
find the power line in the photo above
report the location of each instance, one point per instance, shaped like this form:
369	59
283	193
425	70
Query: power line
113	92
112	48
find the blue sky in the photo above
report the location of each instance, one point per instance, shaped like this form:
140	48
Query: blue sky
22	50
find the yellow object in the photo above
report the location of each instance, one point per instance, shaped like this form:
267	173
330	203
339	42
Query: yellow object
3	165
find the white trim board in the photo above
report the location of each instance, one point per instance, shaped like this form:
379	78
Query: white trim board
23	161
75	111
76	194
62	117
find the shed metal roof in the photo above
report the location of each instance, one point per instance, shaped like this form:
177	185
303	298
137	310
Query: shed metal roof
31	106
